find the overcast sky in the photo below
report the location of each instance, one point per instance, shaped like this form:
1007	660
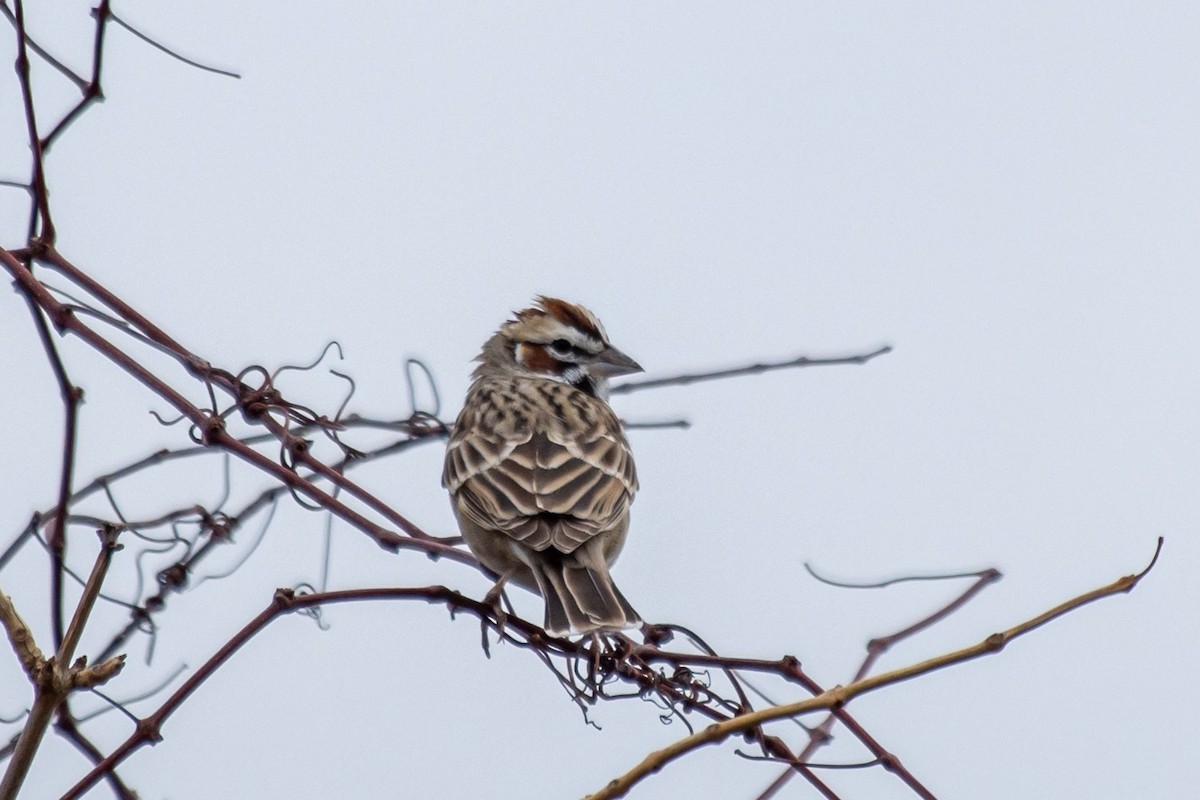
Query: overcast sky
1006	193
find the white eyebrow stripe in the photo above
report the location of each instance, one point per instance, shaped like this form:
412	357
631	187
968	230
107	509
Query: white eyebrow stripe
576	337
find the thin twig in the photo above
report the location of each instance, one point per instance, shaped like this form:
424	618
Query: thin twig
212	425
171	52
66	71
790	669
66	726
71	396
41	195
751	369
92	93
944	576
149	729
214	433
822	733
55	678
839	696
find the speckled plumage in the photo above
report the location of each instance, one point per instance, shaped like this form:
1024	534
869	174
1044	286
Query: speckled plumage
540	473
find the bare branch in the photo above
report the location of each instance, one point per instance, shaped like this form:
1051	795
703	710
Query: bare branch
822	734
24	536
751	369
41	195
255	404
67	728
163	48
91	90
55	678
67	72
66	651
839	696
990	574
285	600
214	433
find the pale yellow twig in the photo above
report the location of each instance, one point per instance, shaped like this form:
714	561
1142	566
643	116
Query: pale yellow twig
55	677
20	637
89	677
840	695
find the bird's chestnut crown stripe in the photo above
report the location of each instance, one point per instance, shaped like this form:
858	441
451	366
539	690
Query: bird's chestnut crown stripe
572	315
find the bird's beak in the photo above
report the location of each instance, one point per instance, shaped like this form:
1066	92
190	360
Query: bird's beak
612	362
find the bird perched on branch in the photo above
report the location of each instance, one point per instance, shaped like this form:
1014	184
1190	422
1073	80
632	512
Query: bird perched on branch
539	472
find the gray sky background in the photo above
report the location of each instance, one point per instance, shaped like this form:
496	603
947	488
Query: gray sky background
1007	193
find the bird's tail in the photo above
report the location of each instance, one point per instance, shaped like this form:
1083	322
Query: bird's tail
581	597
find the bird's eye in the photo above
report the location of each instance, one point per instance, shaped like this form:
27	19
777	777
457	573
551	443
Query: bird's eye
561	346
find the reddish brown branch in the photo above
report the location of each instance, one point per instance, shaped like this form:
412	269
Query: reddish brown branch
790	669
92	93
71	396
821	734
58	532
213	431
44	54
254	403
839	696
66	726
149	729
41	195
174	578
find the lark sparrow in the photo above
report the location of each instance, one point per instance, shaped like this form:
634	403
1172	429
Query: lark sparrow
539	471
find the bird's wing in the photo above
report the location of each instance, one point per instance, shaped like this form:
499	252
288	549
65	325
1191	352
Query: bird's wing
553	488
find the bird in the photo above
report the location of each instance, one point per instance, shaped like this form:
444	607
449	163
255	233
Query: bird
539	471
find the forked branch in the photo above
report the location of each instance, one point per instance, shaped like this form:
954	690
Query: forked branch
838	696
55	678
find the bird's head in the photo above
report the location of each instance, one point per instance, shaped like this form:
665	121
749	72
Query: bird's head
557	340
